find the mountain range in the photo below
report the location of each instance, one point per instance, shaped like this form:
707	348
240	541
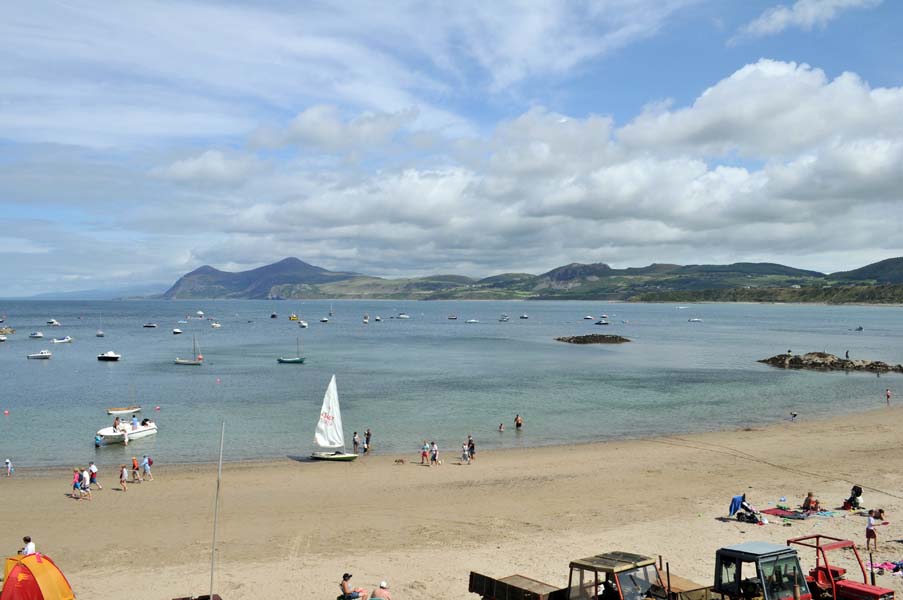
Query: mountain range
294	278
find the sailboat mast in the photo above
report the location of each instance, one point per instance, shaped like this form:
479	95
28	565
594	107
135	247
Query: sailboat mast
219	476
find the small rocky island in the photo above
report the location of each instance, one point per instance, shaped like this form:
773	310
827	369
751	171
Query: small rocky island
822	361
593	338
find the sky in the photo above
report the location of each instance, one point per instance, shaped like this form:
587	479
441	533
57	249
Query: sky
141	140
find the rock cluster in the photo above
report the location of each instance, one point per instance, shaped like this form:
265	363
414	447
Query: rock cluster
822	361
593	338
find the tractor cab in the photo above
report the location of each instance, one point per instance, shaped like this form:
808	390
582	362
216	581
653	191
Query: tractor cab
759	571
615	576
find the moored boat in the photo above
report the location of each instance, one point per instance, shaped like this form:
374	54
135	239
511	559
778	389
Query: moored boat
293	317
125	410
198	359
42	355
108	356
177	331
292	360
63	340
36	335
2	338
329	434
53	323
150	325
525	316
124	433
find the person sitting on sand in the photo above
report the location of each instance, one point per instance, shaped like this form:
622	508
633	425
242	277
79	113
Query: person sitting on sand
811	503
350	593
382	591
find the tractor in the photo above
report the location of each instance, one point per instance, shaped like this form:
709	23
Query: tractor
759	571
830	582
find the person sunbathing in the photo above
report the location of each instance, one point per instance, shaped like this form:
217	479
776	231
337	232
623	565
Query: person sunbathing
811	503
349	593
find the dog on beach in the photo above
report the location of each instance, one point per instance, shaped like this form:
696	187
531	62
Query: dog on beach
399	461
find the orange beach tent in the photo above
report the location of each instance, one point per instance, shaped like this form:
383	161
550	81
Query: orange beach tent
34	577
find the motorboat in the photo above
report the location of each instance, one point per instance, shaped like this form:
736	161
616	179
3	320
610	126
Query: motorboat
292	360
472	321
36	335
329	434
150	325
602	322
2	338
589	317
198	359
366	319
694	320
504	318
124	433
177	331
63	340
377	318
524	316
452	317
126	410
274	316
603	316
200	314
403	316
42	355
109	356
182	322
293	317
53	323
216	324
324	320
302	323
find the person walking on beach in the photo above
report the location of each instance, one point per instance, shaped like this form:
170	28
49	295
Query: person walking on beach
471	448
425	453
146	468
92	469
29	546
887	395
76	484
136	471
870	532
465	455
434	454
367	447
85	483
356	439
9	467
123	477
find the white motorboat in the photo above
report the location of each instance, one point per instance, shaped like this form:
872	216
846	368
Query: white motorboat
53	323
603	316
150	325
2	338
504	318
694	320
366	319
177	331
108	356
324	320
215	325
198	359
525	316
200	314
36	335
403	316
42	355
124	433
302	323
471	321
329	434
589	317
378	318
126	410
63	340
602	322
452	317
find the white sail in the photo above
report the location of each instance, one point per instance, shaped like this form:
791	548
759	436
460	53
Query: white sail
329	428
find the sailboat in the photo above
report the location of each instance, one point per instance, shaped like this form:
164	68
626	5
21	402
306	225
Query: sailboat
329	434
292	360
198	359
100	329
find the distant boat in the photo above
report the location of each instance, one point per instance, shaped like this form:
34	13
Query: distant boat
293	317
63	340
99	332
2	338
200	314
198	359
53	323
366	319
589	317
524	316
150	325
292	360
602	322
127	410
603	316
274	316
302	323
452	317
330	310
694	320
504	318
177	331
215	324
324	320
43	354
858	328
182	322
403	316
2	318
36	335
109	356
471	321
378	318
329	434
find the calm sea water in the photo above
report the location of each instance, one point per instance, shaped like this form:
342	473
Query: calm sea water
426	377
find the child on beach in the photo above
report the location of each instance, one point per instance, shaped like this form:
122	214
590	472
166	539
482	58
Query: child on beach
9	467
465	454
123	477
76	484
876	517
425	453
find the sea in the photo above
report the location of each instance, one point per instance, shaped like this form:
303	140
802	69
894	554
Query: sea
426	377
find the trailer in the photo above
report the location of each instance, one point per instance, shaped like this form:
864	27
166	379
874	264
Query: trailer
828	581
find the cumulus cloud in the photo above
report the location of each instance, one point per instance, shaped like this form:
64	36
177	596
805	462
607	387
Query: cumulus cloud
804	14
211	166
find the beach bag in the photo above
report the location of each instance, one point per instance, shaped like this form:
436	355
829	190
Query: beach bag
150	461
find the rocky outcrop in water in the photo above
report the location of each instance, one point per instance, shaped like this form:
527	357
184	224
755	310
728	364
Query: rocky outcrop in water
822	361
593	338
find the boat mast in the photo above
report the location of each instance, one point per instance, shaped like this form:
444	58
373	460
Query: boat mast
219	476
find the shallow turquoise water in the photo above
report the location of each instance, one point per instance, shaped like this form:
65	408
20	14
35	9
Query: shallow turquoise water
425	377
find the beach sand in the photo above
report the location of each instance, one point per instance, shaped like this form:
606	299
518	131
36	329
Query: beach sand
290	528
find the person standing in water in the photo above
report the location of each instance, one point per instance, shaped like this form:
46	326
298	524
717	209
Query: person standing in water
887	395
518	422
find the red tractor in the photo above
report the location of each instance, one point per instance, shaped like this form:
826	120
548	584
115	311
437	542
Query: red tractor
828	581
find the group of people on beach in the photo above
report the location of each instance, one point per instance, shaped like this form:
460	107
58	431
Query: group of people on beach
83	479
139	471
353	593
360	448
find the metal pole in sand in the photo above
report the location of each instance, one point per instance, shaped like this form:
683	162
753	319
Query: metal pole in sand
219	476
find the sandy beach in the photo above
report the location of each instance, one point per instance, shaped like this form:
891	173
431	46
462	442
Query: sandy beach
290	528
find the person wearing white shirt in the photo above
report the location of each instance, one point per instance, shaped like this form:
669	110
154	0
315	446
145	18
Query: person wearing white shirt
29	546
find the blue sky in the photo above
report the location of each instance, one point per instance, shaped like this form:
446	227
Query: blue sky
141	140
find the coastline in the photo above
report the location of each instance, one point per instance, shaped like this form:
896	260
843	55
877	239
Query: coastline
291	528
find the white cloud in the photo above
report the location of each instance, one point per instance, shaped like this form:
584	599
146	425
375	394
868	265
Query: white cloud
804	14
211	166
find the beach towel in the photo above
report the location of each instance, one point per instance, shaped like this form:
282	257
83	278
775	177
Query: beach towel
786	514
735	505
